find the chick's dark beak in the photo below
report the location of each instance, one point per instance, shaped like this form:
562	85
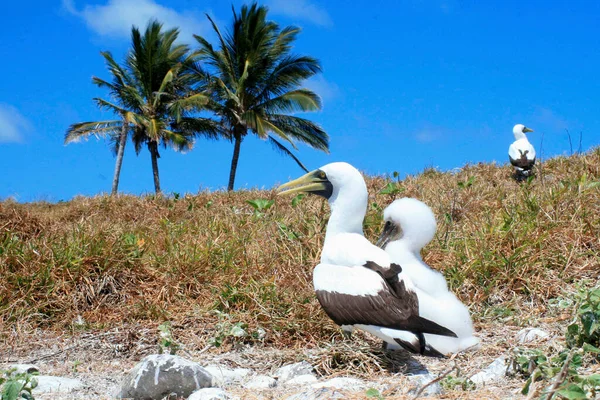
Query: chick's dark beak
390	233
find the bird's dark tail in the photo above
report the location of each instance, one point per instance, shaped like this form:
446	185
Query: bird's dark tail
410	346
416	323
419	346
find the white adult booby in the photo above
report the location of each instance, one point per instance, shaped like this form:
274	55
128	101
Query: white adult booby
521	153
409	226
355	282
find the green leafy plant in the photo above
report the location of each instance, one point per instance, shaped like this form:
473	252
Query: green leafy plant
297	199
133	245
582	336
76	364
287	231
467	183
167	343
226	329
392	188
585	330
451	382
374	394
260	206
562	369
375	207
17	386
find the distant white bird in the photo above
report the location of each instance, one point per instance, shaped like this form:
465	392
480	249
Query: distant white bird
409	226
521	153
355	282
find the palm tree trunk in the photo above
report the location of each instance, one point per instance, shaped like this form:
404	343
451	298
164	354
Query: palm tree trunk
237	134
153	147
119	162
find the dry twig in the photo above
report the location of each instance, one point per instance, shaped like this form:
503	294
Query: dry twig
439	378
560	378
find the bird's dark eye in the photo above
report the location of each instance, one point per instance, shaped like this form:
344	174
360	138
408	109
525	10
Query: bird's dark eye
388	224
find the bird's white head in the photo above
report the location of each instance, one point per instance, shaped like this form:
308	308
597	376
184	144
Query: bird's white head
519	131
345	189
346	180
410	221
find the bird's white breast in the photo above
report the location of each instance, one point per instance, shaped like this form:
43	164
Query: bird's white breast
356	281
352	249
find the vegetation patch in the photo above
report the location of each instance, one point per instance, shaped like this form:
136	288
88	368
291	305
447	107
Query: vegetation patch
508	250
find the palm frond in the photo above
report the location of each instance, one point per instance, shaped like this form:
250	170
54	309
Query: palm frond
178	140
302	130
101	103
293	101
192	103
289	73
262	126
82	130
197	126
284	150
104	84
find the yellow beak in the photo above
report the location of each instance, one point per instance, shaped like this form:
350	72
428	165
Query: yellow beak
313	182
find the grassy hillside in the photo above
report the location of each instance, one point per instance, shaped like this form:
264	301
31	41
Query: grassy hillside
505	248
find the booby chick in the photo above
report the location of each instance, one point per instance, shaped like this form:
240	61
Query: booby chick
409	226
355	282
521	153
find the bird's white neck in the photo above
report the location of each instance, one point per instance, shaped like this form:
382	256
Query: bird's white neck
404	250
519	135
348	209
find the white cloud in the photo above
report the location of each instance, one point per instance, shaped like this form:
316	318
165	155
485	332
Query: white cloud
116	17
13	125
327	90
302	10
429	133
426	136
548	119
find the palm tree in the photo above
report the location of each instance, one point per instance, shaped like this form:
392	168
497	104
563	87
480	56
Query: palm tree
154	61
116	130
150	97
254	83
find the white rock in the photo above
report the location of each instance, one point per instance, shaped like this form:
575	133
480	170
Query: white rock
23	368
341	383
288	372
224	376
301	380
529	335
159	375
421	380
494	371
79	321
261	382
261	333
56	384
317	394
210	394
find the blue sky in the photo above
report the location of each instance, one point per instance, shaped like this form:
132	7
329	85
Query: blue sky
407	85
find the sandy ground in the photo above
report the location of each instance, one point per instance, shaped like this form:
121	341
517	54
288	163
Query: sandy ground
101	360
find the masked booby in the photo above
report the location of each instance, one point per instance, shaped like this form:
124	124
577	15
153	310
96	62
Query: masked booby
521	153
409	226
355	282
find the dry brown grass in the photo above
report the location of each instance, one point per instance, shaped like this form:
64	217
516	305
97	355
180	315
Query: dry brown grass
505	248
